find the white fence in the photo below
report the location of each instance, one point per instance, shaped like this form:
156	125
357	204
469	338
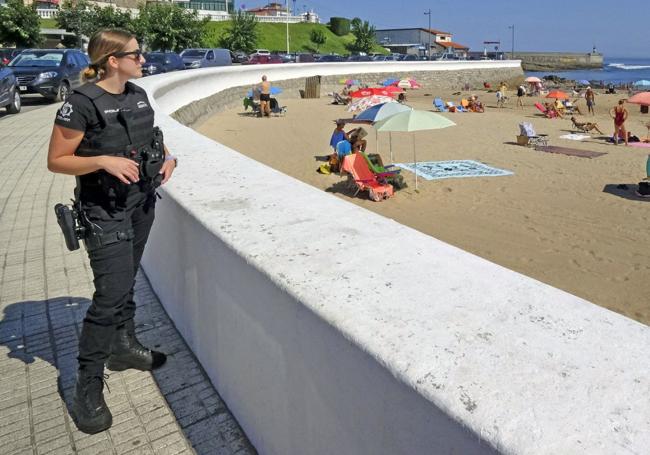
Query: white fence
216	16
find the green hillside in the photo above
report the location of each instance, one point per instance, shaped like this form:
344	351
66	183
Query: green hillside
272	36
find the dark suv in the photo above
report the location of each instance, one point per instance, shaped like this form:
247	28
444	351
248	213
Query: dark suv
161	62
9	96
49	72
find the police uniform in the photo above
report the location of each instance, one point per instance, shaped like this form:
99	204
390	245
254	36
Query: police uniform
121	216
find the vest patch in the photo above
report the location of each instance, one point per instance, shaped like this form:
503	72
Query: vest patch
142	104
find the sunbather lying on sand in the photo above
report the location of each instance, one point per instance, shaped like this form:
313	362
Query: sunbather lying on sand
585	126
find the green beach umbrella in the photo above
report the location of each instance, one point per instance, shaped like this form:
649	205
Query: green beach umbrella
411	121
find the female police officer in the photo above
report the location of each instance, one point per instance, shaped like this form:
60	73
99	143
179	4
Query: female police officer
102	135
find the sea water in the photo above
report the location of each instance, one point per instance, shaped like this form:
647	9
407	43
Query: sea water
615	70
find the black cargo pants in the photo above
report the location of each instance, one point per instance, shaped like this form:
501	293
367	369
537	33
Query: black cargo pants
114	268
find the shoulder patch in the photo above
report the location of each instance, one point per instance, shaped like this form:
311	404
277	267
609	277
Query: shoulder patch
64	112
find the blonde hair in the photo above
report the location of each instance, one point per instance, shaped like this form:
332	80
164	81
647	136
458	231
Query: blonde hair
102	44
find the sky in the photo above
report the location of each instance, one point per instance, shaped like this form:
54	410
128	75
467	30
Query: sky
618	28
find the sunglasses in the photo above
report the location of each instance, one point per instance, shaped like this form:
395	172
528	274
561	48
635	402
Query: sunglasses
136	53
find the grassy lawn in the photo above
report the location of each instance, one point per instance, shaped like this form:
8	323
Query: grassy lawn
48	23
273	37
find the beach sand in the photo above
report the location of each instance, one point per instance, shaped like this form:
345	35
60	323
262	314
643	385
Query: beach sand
559	219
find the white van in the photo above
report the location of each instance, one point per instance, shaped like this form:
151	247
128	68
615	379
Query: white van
262	52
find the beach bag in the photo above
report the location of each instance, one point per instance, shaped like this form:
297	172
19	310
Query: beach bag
334	164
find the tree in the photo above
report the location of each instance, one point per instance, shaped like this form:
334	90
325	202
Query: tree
110	17
242	33
340	26
364	35
81	18
167	26
76	17
21	26
317	37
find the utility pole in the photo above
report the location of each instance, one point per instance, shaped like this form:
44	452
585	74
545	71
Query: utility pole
428	13
287	5
512	53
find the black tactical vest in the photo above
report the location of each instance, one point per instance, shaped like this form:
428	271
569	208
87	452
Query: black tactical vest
126	126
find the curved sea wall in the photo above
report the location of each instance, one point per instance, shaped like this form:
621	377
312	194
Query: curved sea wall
559	61
330	329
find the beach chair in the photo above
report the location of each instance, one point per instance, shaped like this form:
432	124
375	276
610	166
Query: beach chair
338	99
528	136
546	112
252	104
391	172
364	179
277	109
440	105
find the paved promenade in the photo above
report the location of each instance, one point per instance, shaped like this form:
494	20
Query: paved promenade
44	293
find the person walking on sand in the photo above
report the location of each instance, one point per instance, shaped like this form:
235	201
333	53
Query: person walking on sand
619	114
521	92
590	97
265	97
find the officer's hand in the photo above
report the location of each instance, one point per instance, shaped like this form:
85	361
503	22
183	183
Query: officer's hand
167	170
124	169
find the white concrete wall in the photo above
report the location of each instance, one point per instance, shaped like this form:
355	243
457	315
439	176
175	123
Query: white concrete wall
329	329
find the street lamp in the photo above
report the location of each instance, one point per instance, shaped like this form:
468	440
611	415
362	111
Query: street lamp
428	13
512	53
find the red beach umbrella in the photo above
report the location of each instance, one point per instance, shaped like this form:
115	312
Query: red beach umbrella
558	95
381	91
393	89
642	98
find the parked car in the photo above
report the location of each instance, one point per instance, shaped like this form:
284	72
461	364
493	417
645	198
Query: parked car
9	95
330	58
161	62
239	57
52	73
410	58
257	59
7	55
203	58
305	58
359	58
262	52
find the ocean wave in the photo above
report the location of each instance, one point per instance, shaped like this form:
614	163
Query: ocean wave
623	66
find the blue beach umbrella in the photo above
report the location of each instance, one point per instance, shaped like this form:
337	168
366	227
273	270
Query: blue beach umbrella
380	112
389	81
273	91
642	83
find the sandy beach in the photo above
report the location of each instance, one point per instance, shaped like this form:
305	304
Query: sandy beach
559	219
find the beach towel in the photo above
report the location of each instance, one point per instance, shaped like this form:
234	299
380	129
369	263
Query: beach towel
575	137
435	170
640	144
569	151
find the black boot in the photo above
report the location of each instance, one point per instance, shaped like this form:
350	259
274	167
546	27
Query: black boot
89	411
127	352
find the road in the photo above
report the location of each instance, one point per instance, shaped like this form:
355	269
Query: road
30	103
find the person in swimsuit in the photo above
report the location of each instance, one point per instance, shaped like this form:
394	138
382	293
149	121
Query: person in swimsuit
590	98
265	97
619	114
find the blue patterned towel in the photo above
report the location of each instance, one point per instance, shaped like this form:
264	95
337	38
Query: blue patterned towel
434	170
